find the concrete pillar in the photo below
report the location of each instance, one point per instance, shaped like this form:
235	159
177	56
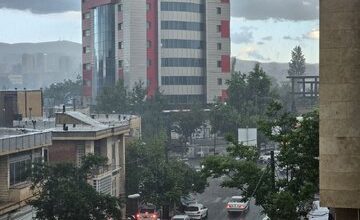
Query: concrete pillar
340	106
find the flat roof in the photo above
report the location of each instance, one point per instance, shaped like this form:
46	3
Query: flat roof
13	132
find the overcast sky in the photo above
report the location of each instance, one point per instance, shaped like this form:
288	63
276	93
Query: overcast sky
262	30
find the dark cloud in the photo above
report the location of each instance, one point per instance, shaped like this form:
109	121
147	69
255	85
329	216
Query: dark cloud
260	43
256	55
268	38
42	6
245	36
295	10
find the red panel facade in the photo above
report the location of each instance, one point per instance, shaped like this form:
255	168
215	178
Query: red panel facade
225	63
225	1
89	4
152	50
225	29
224	95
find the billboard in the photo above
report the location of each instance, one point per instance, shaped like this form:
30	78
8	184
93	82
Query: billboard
247	136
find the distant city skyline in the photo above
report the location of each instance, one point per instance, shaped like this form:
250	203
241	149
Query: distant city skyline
261	30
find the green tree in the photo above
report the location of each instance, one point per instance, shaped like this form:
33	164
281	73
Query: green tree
158	181
113	99
298	140
63	192
249	96
185	123
63	92
297	63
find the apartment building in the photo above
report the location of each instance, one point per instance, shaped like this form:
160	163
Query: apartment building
181	47
19	148
18	104
76	135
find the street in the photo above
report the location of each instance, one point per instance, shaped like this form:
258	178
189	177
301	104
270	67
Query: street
215	198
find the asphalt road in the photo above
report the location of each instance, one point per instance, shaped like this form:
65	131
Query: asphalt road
215	198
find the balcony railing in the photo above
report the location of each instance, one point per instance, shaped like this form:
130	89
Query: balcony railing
24	142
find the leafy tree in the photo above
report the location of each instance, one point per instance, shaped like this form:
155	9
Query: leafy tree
63	92
297	63
249	95
186	122
113	99
224	119
63	192
298	140
158	181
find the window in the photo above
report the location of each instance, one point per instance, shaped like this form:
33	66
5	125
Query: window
218	28
148	44
182	25
177	43
80	153
86	33
119	7
182	6
120	64
219	63
148	24
86	49
86	15
120	26
147	6
87	66
218	10
148	62
185	99
219	81
182	80
219	46
120	45
182	62
20	166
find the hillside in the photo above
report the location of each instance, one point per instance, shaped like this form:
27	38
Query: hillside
276	70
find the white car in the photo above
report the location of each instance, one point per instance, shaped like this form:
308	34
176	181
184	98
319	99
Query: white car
317	212
196	211
237	204
180	217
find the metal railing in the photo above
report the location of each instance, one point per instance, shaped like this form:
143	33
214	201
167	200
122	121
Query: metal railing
24	141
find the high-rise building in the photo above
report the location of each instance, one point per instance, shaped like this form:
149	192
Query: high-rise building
181	47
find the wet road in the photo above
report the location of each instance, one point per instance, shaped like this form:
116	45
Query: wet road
215	198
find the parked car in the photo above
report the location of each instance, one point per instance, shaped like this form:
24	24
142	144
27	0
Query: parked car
237	204
187	200
196	211
180	217
147	212
317	212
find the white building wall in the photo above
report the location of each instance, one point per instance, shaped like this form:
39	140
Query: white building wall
134	25
213	55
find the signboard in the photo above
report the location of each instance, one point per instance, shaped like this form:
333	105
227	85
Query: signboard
247	136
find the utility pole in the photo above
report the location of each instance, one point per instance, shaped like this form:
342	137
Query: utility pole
272	165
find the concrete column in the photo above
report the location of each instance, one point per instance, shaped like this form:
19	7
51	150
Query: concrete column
340	106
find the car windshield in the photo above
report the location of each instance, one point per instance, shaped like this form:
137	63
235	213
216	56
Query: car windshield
192	208
147	210
236	200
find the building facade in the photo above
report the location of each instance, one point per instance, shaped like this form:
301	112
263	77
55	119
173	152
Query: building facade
339	107
181	47
19	104
18	150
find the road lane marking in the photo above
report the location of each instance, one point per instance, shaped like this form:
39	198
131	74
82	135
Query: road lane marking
217	200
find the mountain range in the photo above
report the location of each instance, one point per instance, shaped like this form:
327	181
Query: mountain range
11	55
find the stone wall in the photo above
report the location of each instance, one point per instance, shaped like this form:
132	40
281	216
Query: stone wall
340	104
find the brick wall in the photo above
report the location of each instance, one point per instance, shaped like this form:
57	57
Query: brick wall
63	151
4	188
